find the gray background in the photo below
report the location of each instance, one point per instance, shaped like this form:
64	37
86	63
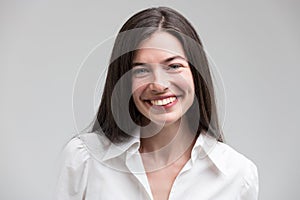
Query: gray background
255	45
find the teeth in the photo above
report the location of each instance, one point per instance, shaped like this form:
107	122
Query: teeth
163	101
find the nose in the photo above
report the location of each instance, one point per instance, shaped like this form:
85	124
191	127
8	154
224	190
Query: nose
160	82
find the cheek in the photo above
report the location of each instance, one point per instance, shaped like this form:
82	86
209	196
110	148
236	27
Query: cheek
135	86
186	82
138	85
137	90
190	81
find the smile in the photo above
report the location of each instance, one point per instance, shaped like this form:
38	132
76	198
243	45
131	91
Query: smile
163	102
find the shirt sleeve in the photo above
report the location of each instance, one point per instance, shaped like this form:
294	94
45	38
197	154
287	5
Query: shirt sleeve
73	175
250	187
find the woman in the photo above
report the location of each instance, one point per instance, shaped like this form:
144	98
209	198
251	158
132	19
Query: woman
157	134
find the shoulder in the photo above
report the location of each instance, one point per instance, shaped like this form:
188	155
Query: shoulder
233	154
235	162
83	146
240	166
237	168
74	170
74	153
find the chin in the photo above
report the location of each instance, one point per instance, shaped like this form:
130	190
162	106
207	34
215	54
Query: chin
165	121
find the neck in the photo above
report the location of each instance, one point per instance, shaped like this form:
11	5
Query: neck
170	143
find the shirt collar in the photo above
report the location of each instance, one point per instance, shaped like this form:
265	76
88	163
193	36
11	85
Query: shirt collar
208	146
131	145
205	146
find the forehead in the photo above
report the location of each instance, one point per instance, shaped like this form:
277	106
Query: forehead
159	46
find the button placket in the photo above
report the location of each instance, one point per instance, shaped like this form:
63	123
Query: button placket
136	167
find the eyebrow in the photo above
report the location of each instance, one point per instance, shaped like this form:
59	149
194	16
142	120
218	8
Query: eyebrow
164	61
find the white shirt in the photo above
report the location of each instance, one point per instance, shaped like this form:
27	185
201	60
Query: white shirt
93	168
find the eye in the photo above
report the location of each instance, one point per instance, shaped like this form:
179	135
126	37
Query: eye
175	67
140	72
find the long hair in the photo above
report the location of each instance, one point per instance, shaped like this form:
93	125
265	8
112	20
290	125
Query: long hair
136	29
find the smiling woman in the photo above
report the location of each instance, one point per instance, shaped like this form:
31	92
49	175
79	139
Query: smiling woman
156	135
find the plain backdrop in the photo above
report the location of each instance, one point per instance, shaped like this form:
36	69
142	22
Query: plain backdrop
255	45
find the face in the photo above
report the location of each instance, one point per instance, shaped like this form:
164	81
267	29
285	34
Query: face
162	82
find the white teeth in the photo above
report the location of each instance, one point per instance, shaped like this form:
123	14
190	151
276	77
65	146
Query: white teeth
163	101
